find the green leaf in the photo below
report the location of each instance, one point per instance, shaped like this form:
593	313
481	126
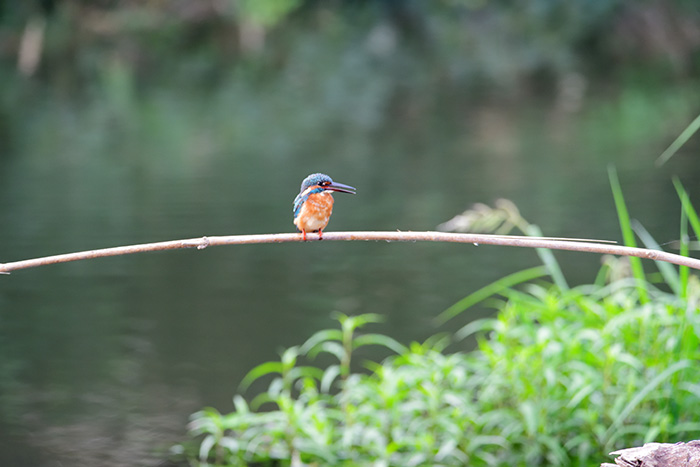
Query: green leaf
240	404
289	358
380	339
329	347
350	323
205	448
305	371
527	410
329	376
260	399
207	420
260	371
475	326
311	347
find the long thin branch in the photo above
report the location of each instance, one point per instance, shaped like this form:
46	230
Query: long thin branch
475	239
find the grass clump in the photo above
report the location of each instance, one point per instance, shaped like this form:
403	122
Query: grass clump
560	376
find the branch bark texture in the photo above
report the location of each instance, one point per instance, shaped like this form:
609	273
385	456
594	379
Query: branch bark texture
447	237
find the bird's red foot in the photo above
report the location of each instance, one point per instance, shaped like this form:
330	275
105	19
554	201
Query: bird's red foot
303	235
320	234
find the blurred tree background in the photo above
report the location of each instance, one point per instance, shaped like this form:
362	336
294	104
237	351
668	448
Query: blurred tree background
335	65
394	49
143	120
68	42
347	67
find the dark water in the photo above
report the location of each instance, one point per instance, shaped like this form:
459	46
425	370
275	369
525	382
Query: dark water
102	361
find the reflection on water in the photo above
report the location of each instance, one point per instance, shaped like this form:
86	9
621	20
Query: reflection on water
105	359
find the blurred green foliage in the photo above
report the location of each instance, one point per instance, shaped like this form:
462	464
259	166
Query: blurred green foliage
224	70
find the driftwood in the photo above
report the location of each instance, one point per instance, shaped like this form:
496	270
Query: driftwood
659	455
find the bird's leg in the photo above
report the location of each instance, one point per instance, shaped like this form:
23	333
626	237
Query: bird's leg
303	234
320	234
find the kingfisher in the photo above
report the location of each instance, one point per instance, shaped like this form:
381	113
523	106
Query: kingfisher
314	203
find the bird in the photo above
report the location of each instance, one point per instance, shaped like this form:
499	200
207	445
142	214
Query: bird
314	203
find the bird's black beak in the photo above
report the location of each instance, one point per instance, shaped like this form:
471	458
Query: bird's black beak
340	187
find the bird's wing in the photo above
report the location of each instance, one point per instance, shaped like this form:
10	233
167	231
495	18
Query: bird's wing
303	196
298	201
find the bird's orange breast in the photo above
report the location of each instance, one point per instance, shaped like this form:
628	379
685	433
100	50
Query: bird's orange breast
315	212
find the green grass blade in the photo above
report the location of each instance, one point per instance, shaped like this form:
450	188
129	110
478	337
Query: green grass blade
667	270
628	235
688	207
688	214
680	141
470	300
547	257
684	248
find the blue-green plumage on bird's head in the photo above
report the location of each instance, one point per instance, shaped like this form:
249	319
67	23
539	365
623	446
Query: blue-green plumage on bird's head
314	203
